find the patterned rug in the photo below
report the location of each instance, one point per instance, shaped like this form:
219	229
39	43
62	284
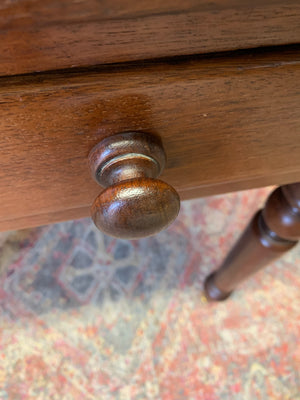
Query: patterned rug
86	316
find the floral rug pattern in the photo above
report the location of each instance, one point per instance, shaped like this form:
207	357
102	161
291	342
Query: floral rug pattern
86	316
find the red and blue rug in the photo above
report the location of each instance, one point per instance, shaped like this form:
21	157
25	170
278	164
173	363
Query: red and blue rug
86	316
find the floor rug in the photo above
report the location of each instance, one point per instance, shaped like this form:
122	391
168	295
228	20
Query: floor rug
86	316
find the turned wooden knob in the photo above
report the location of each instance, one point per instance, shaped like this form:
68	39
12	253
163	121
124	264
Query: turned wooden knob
134	203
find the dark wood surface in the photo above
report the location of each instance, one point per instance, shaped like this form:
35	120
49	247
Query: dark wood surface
135	208
272	232
126	155
44	35
226	124
134	203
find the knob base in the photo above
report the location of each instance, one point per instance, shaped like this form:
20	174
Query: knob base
126	156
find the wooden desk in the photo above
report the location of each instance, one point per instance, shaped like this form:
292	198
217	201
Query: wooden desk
218	83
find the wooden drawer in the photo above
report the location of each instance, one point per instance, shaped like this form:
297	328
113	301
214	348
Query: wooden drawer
226	124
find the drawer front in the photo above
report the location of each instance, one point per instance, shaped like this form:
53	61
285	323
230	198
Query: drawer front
40	35
226	124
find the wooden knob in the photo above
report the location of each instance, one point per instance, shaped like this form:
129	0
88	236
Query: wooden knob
134	203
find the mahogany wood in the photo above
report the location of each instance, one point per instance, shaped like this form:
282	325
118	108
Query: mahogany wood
44	35
134	204
226	123
271	232
126	155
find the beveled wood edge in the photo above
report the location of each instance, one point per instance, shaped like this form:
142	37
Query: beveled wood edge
212	65
31	221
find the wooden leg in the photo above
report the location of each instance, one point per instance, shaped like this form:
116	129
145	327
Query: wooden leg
272	231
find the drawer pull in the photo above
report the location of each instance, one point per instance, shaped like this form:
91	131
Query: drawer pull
134	204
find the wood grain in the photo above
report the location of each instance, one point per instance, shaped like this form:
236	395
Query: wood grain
36	12
46	35
135	208
226	124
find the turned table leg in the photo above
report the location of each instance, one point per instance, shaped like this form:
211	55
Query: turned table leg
272	231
